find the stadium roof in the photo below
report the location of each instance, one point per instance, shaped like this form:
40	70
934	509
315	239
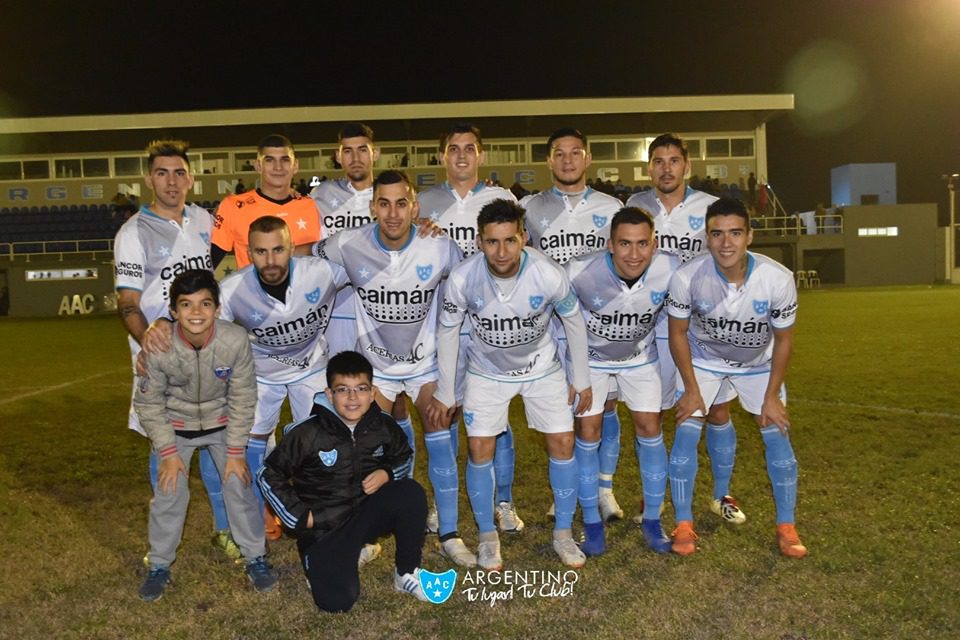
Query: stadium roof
500	119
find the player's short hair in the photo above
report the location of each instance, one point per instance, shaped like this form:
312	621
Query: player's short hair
460	127
631	215
667	140
167	149
348	363
355	130
190	282
501	210
392	176
274	140
269	224
727	207
565	132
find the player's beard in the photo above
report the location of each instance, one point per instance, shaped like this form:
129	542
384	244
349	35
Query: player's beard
358	175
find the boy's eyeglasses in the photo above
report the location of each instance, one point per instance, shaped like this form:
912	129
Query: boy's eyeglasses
362	389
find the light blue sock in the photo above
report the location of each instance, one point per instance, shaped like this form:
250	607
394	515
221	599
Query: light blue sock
480	482
455	438
782	470
652	457
442	471
722	449
588	462
211	480
256	452
683	468
407	425
504	459
563	481
609	448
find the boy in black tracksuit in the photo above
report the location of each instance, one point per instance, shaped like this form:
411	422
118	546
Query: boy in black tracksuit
338	480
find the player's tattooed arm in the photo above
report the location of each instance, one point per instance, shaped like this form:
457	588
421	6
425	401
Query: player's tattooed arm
128	306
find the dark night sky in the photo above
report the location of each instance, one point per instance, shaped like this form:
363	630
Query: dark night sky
875	80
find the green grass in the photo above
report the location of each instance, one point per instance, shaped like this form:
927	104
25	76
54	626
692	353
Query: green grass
876	415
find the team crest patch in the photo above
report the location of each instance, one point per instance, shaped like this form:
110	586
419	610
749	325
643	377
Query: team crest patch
328	458
695	222
761	306
222	373
438	587
424	273
535	302
205	236
599	221
378	451
656	297
468	418
313	296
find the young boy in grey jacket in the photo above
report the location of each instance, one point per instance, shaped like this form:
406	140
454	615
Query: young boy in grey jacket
200	393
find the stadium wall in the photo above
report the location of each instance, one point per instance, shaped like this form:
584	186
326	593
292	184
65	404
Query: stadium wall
32	294
873	255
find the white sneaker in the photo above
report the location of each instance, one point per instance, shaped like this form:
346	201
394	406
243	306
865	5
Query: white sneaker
409	583
507	518
726	507
368	553
433	520
569	552
609	509
488	555
456	550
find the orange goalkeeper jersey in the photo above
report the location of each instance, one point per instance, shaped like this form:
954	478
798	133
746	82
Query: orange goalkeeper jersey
235	213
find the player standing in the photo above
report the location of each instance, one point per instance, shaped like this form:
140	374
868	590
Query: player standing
276	164
396	275
162	240
679	212
731	321
622	291
568	220
509	293
454	206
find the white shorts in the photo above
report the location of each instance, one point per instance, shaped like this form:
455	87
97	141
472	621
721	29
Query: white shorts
639	388
749	385
341	335
270	400
671	385
392	387
486	404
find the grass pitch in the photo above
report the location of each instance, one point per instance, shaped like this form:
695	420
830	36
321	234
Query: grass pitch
876	415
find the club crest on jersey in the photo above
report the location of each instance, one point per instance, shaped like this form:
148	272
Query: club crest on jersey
424	272
695	222
535	302
599	221
438	587
313	296
205	236
378	451
468	418
328	458
656	297
761	306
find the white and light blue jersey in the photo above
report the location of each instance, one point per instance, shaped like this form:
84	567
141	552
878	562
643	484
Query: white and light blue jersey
287	337
150	251
620	319
342	207
731	327
396	295
683	231
458	216
510	338
564	227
